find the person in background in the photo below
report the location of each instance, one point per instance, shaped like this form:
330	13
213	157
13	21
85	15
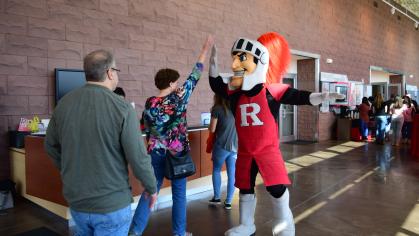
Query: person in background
408	113
397	119
120	92
224	149
380	116
166	133
92	147
364	118
414	103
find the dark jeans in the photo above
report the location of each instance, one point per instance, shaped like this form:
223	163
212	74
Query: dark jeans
363	129
407	130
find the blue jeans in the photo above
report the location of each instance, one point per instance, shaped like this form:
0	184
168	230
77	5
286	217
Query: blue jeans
113	223
407	130
380	124
142	213
363	129
219	156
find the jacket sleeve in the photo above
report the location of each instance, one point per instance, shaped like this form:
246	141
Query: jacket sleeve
52	144
294	96
135	152
191	82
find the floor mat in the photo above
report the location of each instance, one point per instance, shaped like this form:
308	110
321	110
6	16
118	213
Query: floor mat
42	231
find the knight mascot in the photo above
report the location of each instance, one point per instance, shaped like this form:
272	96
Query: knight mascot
255	92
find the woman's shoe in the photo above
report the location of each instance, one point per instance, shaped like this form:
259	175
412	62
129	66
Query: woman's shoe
214	201
186	234
227	206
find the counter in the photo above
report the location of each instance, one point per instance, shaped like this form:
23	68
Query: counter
39	180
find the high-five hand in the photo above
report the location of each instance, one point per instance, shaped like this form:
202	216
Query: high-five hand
207	45
213	67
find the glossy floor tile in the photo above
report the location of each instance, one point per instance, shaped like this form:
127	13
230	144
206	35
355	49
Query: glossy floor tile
338	188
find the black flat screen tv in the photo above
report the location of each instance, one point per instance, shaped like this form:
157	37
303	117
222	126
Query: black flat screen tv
67	80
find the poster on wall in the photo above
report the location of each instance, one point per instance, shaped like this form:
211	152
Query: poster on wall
325	105
356	93
413	91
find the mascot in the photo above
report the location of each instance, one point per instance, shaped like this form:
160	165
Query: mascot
255	92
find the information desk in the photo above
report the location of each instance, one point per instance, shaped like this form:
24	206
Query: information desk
39	180
414	146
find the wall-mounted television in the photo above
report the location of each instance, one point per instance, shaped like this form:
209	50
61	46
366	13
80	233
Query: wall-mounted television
67	80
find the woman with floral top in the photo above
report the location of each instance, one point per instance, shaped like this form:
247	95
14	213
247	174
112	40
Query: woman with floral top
166	133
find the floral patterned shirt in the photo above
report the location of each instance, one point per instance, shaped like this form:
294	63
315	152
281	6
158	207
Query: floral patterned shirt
165	118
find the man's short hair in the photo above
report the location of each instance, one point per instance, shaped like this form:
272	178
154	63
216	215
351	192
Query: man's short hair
96	64
164	77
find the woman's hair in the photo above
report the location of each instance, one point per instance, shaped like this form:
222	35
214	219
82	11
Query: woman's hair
119	91
378	100
398	102
164	77
220	101
365	100
407	101
279	56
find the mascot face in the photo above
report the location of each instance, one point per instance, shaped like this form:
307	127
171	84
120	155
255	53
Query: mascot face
250	64
243	65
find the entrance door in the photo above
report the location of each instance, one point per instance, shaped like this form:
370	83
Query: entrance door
287	115
379	88
394	90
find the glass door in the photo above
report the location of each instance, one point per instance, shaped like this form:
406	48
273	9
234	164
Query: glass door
287	115
394	90
380	88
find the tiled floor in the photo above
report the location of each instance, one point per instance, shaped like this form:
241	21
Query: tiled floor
339	188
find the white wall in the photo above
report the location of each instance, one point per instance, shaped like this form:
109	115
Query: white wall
379	77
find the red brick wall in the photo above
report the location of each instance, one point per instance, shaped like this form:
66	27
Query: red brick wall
307	116
37	36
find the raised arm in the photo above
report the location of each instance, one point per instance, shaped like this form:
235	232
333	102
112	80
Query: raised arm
186	90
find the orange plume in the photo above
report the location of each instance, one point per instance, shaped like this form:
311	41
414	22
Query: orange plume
279	56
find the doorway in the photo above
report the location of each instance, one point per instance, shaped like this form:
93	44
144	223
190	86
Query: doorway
287	114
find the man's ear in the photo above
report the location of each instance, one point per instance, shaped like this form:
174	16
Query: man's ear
109	74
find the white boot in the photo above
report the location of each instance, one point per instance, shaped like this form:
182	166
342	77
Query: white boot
283	221
247	209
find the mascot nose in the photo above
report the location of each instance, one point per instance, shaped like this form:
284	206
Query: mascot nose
235	64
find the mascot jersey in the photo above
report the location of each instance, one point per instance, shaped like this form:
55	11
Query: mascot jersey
255	113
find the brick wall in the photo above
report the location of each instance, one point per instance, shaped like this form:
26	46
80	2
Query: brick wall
307	116
37	36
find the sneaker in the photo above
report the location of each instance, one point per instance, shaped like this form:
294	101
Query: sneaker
186	234
214	201
130	233
227	206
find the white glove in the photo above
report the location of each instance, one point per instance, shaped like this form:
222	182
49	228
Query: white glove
317	98
213	67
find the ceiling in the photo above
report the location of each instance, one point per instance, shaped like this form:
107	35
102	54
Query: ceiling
410	5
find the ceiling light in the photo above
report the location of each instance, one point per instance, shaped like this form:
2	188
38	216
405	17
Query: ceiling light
393	10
